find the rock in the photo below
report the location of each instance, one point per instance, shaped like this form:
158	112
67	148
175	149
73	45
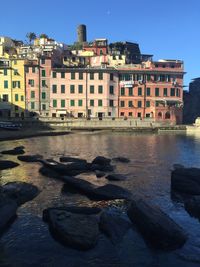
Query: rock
8	208
106	192
30	158
78	231
115	177
74	168
121	159
114	226
103	168
99	174
72	159
7	164
186	180
193	206
178	166
16	151
72	209
156	226
50	173
20	192
101	160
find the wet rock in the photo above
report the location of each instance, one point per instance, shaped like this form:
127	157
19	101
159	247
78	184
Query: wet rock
72	159
116	177
7	164
99	174
121	159
50	173
30	158
156	226
186	180
78	231
103	168
16	151
74	168
106	192
8	208
20	192
114	226
193	206
72	209
101	160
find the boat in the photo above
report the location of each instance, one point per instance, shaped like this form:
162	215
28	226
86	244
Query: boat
10	126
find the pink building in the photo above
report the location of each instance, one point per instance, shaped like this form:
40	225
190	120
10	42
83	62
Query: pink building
84	92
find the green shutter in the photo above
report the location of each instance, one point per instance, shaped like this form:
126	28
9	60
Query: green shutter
80	89
80	102
54	103
5	84
62	103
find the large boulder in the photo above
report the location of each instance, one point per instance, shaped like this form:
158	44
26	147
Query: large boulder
78	231
106	192
101	160
8	208
186	180
99	174
7	164
116	177
72	159
30	158
121	159
114	226
192	206
74	168
20	192
16	151
156	226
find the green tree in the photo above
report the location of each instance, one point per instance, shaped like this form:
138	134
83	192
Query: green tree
43	35
31	36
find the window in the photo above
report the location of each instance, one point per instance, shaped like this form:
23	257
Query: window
111	89
122	104
54	103
165	92
32	105
91	76
80	102
72	103
168	78
16	72
73	76
5	84
16	97
62	75
111	103
62	89
80	75
100	89
54	89
43	95
62	103
15	62
72	89
139	115
177	92
111	76
147	104
101	52
148	77
157	92
53	74
44	73
162	78
92	102
139	104
16	84
148	91
80	89
5	98
100	76
44	83
139	91
91	89
32	94
22	98
43	106
33	69
5	72
130	114
155	78
42	61
100	103
172	93
130	104
122	91
130	91
31	83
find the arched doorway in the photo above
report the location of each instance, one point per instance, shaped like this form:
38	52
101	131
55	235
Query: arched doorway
159	115
167	115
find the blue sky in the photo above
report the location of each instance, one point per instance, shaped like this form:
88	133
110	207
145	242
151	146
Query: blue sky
165	28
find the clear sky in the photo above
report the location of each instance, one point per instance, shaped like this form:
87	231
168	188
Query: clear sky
168	29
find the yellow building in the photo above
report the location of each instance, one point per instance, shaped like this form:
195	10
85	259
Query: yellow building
12	87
